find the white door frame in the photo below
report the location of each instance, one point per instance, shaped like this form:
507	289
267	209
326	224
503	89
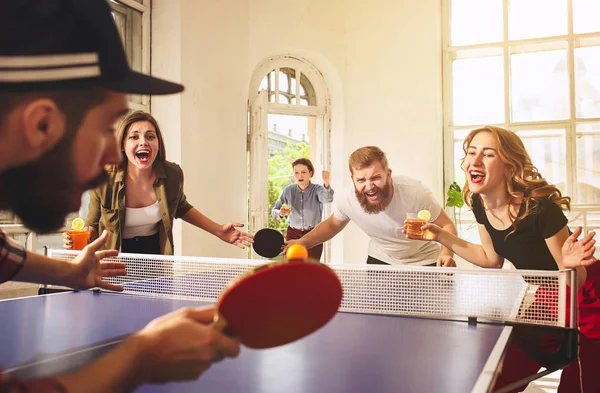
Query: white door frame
259	108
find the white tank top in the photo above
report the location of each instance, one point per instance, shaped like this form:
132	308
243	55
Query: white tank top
141	221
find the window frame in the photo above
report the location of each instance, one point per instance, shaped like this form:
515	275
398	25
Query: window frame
144	7
570	42
320	111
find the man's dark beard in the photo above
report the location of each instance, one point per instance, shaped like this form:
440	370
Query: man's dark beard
41	193
385	196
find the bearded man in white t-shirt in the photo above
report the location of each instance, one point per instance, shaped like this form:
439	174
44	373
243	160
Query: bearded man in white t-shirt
379	204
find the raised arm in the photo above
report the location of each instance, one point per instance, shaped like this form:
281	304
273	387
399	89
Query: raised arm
555	245
579	253
325	193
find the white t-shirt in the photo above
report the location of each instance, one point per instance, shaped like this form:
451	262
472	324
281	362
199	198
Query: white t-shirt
142	221
388	242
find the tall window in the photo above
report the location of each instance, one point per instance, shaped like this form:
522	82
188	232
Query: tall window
132	18
533	67
288	119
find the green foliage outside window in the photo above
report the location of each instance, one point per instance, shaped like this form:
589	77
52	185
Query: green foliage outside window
455	200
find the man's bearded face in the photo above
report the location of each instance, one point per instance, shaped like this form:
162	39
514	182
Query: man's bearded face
42	193
373	187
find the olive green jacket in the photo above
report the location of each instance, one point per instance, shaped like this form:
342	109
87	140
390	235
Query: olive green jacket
107	205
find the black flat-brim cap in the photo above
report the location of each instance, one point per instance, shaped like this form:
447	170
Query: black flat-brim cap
59	44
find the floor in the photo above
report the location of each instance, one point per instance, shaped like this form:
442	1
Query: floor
14	289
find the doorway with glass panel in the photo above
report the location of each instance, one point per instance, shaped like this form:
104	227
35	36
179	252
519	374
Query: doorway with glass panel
288	120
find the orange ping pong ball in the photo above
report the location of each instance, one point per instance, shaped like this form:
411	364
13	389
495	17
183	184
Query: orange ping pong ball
296	251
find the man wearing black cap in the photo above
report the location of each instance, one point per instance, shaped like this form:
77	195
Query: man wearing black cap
64	78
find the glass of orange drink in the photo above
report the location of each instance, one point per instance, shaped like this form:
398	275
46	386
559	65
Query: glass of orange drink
414	222
79	234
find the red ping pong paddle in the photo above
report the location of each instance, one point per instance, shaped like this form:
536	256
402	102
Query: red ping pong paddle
268	243
278	303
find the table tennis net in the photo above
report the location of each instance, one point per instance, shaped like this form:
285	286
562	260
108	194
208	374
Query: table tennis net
521	296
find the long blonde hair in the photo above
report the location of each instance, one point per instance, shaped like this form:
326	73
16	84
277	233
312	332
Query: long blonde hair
524	182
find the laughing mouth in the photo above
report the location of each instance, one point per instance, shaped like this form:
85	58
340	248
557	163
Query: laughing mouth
372	195
477	176
143	155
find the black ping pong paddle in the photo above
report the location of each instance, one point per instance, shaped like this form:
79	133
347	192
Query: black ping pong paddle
268	243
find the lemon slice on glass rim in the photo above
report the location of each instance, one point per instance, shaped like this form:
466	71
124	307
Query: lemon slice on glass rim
424	215
77	224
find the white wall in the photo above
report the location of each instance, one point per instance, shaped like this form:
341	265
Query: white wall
393	91
381	60
166	62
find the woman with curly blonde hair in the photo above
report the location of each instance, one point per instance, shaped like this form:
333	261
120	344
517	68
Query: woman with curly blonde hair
521	219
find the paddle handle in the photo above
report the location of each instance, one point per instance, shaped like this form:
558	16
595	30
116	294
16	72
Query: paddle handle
220	324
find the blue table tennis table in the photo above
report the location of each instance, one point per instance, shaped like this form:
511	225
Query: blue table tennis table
355	352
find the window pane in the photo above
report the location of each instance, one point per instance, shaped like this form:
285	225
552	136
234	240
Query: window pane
587	81
136	40
588	163
585	16
120	21
478	90
294	127
283	99
539	86
136	47
536	18
476	22
284	78
586	217
467	226
547	149
307	91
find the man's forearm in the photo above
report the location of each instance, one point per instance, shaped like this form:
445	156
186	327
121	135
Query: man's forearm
40	269
322	232
119	371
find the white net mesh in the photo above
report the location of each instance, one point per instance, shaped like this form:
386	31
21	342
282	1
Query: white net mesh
525	296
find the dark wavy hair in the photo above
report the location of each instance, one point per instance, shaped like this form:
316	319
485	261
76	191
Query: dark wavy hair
306	162
524	182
